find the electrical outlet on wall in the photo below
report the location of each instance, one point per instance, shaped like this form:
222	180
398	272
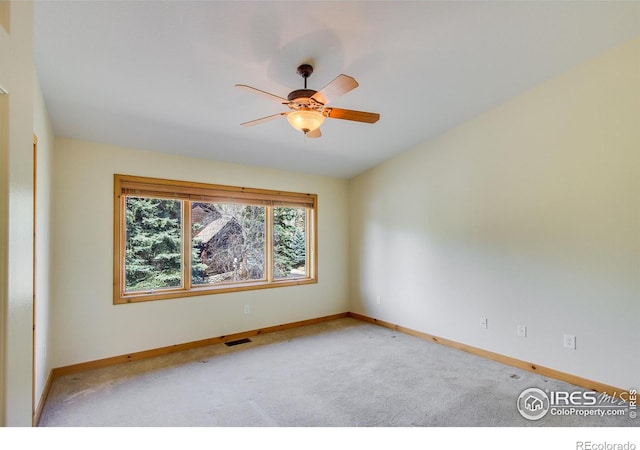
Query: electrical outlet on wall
247	309
484	322
570	341
522	331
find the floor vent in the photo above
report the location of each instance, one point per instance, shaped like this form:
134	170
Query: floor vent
239	341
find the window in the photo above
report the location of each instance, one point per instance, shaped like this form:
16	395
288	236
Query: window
176	239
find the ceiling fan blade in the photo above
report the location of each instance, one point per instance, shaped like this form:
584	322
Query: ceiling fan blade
314	134
277	98
340	85
349	114
263	119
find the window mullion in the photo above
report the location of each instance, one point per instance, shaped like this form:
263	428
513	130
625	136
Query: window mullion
269	243
186	244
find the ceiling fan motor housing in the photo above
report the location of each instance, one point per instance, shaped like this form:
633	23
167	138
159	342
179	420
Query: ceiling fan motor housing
300	94
301	99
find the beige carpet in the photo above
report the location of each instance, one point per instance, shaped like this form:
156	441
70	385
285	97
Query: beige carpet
342	373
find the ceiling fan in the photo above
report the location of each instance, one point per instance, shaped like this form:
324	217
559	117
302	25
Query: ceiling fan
309	108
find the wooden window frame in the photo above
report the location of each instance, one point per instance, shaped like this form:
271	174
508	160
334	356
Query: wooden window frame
192	191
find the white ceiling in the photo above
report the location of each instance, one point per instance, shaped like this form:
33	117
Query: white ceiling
160	75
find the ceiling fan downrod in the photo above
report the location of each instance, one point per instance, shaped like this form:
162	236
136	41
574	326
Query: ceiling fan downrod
305	71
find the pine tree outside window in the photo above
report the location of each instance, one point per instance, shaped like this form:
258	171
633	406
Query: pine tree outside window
153	246
289	242
175	239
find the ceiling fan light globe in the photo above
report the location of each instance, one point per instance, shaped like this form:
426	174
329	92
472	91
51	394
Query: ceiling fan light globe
305	121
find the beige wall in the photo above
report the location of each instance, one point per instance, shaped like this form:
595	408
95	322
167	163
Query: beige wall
87	326
16	203
528	214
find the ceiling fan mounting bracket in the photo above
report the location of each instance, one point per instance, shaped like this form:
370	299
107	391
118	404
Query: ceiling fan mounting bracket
305	71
